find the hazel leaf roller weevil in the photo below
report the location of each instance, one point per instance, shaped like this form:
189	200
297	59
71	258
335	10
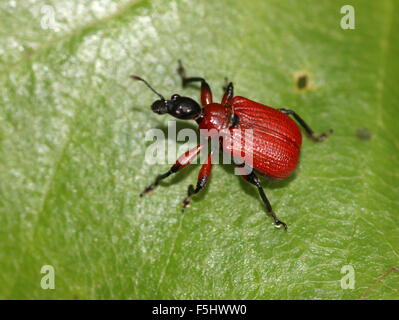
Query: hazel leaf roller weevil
276	138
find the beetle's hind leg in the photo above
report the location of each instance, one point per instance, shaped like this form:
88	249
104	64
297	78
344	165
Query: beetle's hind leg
252	178
308	129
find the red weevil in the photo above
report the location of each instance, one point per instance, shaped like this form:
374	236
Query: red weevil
276	138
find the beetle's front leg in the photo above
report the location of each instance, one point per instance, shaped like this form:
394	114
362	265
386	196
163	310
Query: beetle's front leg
206	93
203	178
181	163
308	129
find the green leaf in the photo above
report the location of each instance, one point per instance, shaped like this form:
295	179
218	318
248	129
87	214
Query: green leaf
72	128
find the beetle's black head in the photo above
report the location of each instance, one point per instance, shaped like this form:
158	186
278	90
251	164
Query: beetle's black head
179	107
183	107
159	106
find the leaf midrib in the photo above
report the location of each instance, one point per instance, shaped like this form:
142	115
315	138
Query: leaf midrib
68	35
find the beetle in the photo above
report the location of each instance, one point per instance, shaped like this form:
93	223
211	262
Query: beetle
276	143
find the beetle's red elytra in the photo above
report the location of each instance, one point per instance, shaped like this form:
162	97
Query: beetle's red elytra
276	138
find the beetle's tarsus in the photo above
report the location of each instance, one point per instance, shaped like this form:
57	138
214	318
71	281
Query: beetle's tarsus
322	137
278	223
186	203
182	73
187	200
148	189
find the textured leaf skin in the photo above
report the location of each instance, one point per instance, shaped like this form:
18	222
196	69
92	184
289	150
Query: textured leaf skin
72	128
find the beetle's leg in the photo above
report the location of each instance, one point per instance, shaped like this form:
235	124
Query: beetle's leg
308	130
252	178
227	102
206	93
180	163
203	178
226	83
228	94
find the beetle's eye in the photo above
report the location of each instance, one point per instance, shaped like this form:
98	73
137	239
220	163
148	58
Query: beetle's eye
175	96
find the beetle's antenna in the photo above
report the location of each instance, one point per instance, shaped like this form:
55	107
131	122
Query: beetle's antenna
134	77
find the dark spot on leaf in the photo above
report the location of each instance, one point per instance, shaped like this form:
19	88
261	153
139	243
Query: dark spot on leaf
363	134
302	81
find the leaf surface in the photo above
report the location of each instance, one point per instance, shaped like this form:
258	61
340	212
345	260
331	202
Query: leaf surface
72	129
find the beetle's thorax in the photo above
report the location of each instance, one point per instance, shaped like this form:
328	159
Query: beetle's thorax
214	117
